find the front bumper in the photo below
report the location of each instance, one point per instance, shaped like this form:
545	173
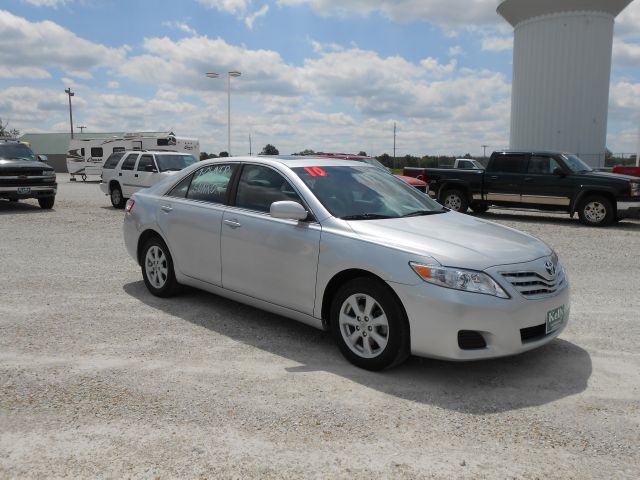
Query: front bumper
437	314
628	209
39	191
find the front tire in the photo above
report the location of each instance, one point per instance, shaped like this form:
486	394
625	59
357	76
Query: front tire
157	269
455	200
46	203
117	200
370	325
596	211
479	207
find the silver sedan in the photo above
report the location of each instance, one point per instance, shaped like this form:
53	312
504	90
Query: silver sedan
346	247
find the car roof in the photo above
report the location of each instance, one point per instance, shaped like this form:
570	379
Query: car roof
533	152
294	161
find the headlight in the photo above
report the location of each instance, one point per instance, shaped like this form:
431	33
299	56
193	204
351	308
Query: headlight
635	189
49	173
458	279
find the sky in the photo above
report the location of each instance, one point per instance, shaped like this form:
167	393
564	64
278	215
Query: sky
326	75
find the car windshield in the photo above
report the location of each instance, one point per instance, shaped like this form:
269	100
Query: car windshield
365	193
174	162
576	164
17	151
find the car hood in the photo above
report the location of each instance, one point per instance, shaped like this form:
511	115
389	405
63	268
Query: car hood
7	163
454	240
610	176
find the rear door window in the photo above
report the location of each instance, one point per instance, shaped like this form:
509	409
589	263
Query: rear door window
129	162
542	165
509	163
210	184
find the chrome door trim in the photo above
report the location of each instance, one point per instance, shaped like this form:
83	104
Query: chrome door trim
546	200
504	197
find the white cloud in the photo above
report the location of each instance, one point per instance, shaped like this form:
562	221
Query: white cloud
456	51
113	84
37	47
182	26
628	23
626	54
441	12
235	7
48	3
252	18
497	44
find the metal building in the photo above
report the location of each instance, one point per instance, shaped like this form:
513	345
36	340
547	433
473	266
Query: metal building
561	74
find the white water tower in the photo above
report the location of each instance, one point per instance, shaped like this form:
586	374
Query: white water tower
561	74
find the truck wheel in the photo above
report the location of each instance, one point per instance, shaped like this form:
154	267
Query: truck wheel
46	203
596	211
479	207
117	200
455	200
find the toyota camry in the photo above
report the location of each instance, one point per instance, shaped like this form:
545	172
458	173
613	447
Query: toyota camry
347	247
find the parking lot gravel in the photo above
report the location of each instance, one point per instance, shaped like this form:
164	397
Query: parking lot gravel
100	379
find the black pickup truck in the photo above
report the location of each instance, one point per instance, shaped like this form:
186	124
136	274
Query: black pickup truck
24	175
550	181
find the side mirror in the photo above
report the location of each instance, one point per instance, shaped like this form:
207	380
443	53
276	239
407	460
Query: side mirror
558	171
151	168
43	158
288	210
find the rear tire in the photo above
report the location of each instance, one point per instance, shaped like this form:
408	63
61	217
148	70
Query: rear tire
46	203
117	200
370	325
596	211
455	200
157	269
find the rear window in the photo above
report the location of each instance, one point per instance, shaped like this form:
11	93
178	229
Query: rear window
509	163
169	162
113	160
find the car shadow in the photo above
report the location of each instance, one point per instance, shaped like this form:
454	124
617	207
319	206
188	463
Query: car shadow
557	370
16	208
554	219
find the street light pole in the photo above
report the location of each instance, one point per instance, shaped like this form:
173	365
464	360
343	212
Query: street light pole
229	75
394	145
484	155
71	94
81	127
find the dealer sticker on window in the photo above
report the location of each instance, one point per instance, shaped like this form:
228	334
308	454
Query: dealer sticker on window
555	319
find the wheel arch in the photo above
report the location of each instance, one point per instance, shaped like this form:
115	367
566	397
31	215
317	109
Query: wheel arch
114	183
343	277
144	238
593	192
462	187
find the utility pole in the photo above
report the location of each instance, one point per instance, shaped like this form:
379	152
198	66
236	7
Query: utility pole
249	144
81	127
71	94
484	155
638	150
394	144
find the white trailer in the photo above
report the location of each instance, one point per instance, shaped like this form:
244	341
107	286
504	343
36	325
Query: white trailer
86	156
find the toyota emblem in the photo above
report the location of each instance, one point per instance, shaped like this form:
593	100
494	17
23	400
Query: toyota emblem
551	268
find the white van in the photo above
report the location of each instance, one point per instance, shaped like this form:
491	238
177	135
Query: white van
124	173
86	156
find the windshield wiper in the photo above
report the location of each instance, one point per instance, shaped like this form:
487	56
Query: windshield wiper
420	213
366	216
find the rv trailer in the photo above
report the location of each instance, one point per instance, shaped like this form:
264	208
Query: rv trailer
86	156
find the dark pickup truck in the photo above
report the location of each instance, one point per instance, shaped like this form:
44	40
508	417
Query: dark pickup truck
550	181
24	174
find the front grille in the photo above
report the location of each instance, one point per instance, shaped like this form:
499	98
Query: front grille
16	172
535	285
531	334
470	340
422	188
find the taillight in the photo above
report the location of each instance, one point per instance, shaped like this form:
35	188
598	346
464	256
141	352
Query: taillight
129	207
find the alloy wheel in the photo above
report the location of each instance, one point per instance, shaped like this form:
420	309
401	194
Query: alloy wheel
364	325
156	266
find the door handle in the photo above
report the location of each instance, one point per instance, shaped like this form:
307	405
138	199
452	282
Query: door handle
136	175
120	174
494	177
166	208
233	223
528	179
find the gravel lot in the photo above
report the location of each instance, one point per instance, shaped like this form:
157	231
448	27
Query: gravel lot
100	379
